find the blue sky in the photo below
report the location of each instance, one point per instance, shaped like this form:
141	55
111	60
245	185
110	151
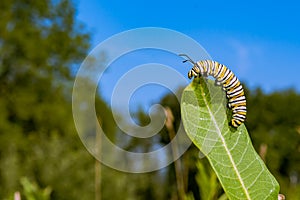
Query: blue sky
258	40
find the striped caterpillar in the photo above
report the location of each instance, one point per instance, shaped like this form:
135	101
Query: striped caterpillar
230	83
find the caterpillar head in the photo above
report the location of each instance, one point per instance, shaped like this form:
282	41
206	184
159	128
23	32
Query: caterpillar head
190	74
194	72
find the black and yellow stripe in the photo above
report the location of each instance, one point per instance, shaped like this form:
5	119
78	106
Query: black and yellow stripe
230	83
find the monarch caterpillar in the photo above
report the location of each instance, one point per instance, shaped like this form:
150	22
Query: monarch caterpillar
231	84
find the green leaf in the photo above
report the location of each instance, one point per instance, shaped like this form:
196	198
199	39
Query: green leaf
242	173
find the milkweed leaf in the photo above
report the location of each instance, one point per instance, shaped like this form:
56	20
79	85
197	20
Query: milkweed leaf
240	170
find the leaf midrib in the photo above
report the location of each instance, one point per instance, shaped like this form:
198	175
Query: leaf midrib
225	145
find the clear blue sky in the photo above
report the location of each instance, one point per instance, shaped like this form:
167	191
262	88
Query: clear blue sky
259	40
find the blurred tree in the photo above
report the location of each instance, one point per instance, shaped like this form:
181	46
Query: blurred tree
40	42
273	122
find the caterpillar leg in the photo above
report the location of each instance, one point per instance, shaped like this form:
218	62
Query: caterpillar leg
238	118
192	74
217	83
235	123
229	105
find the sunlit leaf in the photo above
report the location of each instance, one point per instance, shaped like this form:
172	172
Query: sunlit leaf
242	173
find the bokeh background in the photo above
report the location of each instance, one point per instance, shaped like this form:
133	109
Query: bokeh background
42	44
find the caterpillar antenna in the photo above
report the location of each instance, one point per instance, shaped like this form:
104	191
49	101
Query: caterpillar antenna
188	58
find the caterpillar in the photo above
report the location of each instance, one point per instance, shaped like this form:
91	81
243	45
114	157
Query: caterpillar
230	83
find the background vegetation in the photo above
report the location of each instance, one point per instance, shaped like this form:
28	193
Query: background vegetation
40	152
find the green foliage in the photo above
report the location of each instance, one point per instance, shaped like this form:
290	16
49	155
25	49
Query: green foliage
39	43
33	192
207	181
240	170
